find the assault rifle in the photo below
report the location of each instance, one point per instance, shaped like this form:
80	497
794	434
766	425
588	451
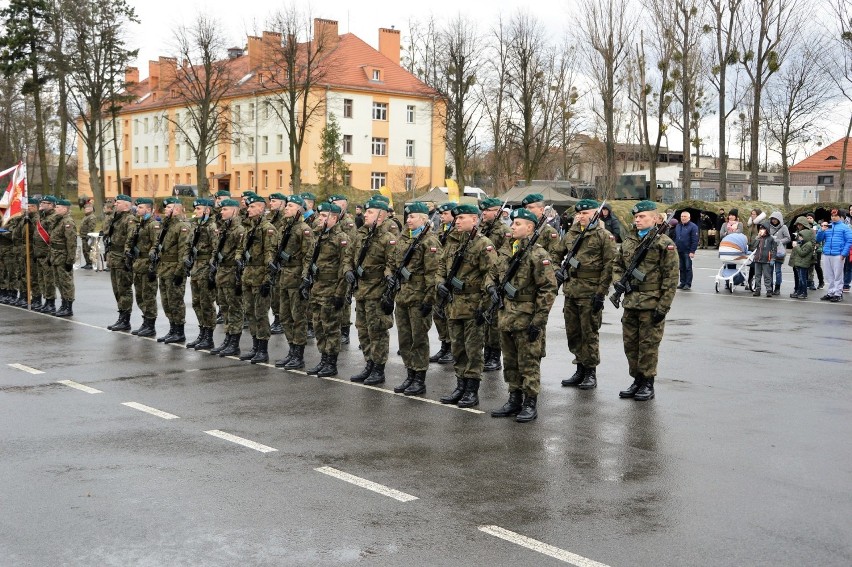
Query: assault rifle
244	259
313	269
401	273
217	257
569	261
131	255
154	260
362	254
505	288
625	284
442	238
487	232
281	257
452	283
108	236
193	250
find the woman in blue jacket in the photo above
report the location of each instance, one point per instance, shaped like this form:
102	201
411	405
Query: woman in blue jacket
837	240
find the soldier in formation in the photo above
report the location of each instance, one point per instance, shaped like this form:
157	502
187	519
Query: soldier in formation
499	234
137	249
223	275
197	267
63	251
167	260
87	225
445	227
122	225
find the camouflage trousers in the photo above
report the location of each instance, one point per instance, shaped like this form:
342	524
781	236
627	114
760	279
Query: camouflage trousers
493	336
122	287
293	311
641	341
373	329
442	327
4	268
467	341
326	321
346	313
46	280
228	300
203	299
87	250
172	298
582	326
64	278
19	260
521	361
35	284
256	308
275	302
146	294
413	331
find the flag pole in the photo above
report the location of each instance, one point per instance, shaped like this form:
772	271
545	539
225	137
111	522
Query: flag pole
27	247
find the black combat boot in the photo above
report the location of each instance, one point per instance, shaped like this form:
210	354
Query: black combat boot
418	386
368	369
471	394
455	395
311	334
206	339
233	349
4	296
283	362
262	354
253	352
49	306
528	412
511	407
632	389
777	290
405	383
590	379
297	362
377	376
492	361
646	390
313	371
35	304
197	339
575	378
329	368
221	347
65	310
442	353
344	335
123	323
148	329
177	336
168	334
22	299
276	328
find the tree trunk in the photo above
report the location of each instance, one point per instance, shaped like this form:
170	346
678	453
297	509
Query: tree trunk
63	133
842	176
755	138
94	173
723	149
785	174
115	150
201	172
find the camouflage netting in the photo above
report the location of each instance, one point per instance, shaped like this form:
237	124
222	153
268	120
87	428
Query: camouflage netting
622	209
821	211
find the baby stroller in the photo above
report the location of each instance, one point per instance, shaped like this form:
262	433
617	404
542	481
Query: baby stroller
735	257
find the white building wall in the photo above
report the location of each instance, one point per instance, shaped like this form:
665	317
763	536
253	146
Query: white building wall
400	130
360	126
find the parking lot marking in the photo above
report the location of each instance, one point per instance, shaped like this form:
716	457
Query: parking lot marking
29	369
240	441
540	547
369	485
149	409
78	386
416	398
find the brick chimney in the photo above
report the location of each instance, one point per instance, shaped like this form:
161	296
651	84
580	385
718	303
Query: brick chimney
168	72
255	52
131	75
389	41
153	75
325	33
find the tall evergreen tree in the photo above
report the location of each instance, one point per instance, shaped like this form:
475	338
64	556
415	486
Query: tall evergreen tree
331	169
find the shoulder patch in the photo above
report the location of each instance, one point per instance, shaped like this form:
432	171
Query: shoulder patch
270	231
155	225
184	229
545	262
307	231
554	235
611	237
67	226
343	243
489	248
507	235
391	242
670	247
433	249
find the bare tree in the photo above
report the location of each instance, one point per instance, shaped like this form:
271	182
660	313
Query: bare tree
496	107
840	70
569	116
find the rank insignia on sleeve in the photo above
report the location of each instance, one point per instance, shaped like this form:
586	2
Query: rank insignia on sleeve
546	262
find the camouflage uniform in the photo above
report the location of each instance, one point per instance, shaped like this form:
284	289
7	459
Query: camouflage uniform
347	224
499	235
140	244
277	220
202	296
63	250
41	253
441	322
233	233
87	225
170	272
329	283
292	308
17	276
371	322
549	240
263	237
34	281
122	226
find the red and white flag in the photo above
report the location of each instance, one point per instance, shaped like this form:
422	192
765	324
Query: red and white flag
15	198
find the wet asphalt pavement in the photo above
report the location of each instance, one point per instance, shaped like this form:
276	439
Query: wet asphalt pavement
742	459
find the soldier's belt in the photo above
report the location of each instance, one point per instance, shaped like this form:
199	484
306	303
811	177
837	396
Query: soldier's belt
329	277
372	277
522	298
586	274
202	257
169	258
255	264
647	287
416	278
468	291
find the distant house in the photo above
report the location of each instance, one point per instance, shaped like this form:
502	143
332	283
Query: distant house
823	169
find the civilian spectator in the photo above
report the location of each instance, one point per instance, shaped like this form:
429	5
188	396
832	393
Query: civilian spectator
779	231
686	240
837	240
764	247
731	226
847	267
705	227
721	219
611	223
801	257
755	218
817	263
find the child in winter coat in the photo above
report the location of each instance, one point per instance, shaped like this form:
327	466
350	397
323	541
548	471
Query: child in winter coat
801	258
764	258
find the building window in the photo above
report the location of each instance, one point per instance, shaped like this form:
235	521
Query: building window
380	146
146	158
156	154
409	114
265	145
409	181
380	111
135	155
377	180
135	125
156	182
186	152
109	156
236	113
377	75
237	150
347	144
279	175
251	146
280	143
237	180
251	111
825	180
166	181
177	152
409	148
251	180
347	178
347	108
266	106
265	176
189	179
177	117
145	128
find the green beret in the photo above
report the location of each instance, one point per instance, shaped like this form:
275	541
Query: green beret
532	198
145	201
417	207
490	202
171	201
278	197
642	206
308	196
586	204
448	206
296	199
223	193
333	198
524	215
254	198
202	203
376	204
63	202
328	208
380	197
33	201
229	203
465	210
49	199
123	198
248	193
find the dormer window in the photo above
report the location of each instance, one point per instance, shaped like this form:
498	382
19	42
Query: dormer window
831	158
377	75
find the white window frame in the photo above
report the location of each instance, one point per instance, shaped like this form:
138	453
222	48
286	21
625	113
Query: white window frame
347	145
409	114
380	111
378	179
409	149
379	147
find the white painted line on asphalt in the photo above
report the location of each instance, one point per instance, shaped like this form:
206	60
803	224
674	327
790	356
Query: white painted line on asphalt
369	485
391	392
240	441
78	386
540	547
149	409
29	369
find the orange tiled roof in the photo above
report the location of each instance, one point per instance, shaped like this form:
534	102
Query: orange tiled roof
827	159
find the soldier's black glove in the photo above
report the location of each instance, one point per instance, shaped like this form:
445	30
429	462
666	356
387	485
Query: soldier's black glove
349	276
187	265
658	317
49	263
598	303
265	289
240	265
533	333
619	287
443	291
387	306
479	316
337	303
152	276
425	309
69	267
390	281
211	283
305	289
178	278
101	233
561	276
492	293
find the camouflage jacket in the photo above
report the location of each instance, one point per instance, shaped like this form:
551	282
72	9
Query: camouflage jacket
300	244
204	246
499	235
478	271
660	267
535	281
41	249
347	223
424	265
596	256
334	259
121	229
234	234
63	240
277	219
88	225
148	230
379	261
549	240
176	245
263	238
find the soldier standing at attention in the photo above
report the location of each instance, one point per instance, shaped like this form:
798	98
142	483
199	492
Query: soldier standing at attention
30	225
87	225
197	267
390	224
523	320
324	284
416	297
277	203
585	290
445	354
310	215
228	239
63	249
645	308
476	279
176	242
549	238
121	227
377	246
136	260
41	252
254	255
498	233
294	310
347	223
